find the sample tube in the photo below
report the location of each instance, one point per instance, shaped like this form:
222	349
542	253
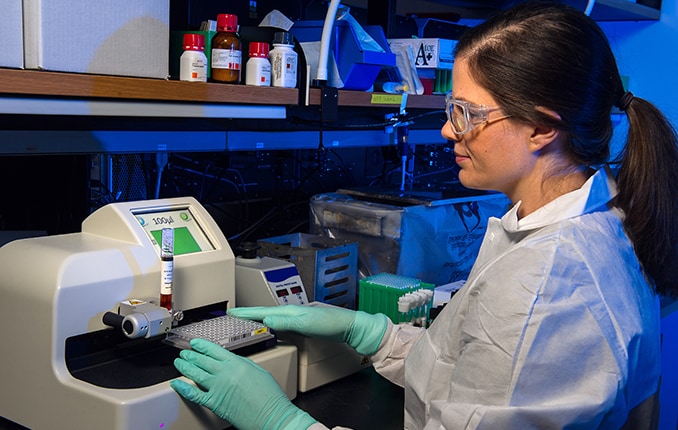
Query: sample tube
427	308
420	300
166	268
410	299
403	309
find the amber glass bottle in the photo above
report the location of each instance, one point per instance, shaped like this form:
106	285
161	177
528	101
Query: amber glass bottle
226	50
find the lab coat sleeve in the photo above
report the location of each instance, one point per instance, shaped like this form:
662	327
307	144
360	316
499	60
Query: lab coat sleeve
547	387
389	359
549	355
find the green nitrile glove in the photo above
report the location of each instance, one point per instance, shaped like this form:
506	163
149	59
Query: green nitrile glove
360	330
236	389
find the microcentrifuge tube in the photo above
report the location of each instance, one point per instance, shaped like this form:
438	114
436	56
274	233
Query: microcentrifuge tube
427	306
419	310
403	309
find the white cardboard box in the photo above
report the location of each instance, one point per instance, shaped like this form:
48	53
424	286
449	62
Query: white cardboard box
11	34
110	37
429	53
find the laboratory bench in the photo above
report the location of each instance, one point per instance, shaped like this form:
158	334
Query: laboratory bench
363	400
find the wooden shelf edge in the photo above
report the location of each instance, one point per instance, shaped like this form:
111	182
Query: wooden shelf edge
365	99
58	84
78	85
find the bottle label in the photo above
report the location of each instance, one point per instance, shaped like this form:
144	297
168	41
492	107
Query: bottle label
284	70
226	59
199	70
258	72
193	67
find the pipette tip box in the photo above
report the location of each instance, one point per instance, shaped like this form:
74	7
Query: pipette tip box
380	293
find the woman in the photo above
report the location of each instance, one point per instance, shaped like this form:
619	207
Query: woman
557	325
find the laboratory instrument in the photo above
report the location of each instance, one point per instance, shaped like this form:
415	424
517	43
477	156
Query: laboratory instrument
328	267
86	341
267	281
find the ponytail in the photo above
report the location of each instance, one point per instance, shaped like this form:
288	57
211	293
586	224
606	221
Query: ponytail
648	191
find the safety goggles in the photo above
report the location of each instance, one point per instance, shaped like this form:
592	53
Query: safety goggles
465	116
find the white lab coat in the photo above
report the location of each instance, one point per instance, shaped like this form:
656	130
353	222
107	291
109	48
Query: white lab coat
556	327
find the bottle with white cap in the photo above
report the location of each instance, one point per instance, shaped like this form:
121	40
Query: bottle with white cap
283	61
258	68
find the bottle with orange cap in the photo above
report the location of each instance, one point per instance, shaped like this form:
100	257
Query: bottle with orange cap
226	53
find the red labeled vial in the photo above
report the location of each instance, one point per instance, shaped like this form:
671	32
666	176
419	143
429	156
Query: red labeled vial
258	68
193	62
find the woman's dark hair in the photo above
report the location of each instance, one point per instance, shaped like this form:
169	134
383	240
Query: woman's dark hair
543	54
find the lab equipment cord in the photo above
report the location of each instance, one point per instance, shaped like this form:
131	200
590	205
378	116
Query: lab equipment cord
589	7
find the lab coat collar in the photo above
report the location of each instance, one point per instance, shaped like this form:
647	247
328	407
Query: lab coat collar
596	192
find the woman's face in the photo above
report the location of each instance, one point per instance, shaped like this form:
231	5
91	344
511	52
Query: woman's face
491	156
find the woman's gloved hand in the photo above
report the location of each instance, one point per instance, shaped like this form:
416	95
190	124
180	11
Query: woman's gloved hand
361	330
236	389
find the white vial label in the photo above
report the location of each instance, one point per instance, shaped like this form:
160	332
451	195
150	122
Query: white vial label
226	59
167	273
193	67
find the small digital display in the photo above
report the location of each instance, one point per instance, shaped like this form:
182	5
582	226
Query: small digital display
296	290
189	237
282	293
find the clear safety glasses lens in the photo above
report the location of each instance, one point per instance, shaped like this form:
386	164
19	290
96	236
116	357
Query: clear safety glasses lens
459	118
465	116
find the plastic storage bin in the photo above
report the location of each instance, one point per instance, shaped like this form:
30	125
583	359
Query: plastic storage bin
436	243
328	267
